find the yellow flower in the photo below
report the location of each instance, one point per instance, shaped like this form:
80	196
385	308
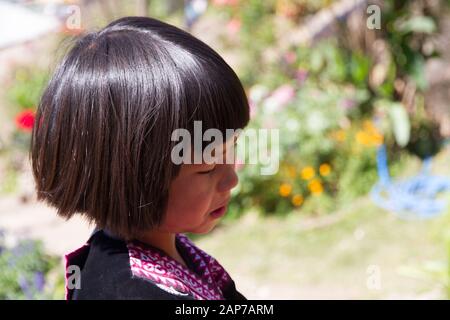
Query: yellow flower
307	173
285	189
377	139
316	187
369	139
324	169
339	135
362	138
297	200
369	136
369	126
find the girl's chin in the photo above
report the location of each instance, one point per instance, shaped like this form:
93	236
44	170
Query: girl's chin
205	229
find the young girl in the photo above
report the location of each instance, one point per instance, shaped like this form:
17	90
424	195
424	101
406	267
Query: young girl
101	147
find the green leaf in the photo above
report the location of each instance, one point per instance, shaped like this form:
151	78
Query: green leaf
400	123
359	68
418	24
417	71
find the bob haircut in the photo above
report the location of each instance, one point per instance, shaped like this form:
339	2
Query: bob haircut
101	145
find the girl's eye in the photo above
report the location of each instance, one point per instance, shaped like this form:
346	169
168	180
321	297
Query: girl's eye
209	171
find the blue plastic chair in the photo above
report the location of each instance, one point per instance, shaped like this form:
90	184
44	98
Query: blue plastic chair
412	198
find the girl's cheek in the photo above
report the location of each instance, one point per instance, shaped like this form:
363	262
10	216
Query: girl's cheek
204	181
200	186
205	192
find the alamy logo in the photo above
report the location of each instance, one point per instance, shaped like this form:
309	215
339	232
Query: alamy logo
73	277
73	21
374	19
374	277
258	147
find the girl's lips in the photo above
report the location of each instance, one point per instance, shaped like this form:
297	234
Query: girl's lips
219	212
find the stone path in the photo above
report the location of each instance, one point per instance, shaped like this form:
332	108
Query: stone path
37	221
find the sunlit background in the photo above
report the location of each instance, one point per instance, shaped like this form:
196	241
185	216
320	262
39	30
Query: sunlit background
360	93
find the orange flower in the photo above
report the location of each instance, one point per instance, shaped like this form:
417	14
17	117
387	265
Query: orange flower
297	200
324	169
285	190
316	187
307	173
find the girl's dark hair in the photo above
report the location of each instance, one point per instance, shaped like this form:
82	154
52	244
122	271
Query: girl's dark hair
101	143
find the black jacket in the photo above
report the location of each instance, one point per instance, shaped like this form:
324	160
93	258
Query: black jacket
106	274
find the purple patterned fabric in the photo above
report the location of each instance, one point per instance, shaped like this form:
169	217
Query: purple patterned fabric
208	280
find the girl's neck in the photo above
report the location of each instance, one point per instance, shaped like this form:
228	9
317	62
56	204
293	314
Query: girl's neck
163	241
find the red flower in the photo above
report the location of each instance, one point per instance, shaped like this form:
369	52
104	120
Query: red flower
25	120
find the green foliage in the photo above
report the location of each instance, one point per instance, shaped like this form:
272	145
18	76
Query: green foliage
336	116
319	97
26	89
315	132
406	31
25	268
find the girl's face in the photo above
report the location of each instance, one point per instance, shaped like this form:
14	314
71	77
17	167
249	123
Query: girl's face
197	191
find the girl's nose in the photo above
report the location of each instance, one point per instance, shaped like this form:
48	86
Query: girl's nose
229	179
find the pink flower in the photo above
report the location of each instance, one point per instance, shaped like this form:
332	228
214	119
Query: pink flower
290	57
225	2
233	26
279	98
284	94
301	75
347	104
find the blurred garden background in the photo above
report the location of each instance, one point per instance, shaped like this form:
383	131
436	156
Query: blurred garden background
360	91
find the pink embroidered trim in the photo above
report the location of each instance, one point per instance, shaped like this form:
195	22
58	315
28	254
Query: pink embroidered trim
161	269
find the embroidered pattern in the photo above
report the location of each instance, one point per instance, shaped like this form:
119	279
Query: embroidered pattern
148	263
